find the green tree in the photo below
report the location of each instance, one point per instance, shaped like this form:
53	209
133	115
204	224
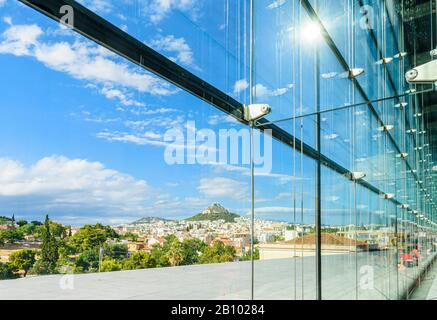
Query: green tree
11	235
4	220
159	255
247	256
159	252
22	260
139	260
91	237
49	246
42	268
116	251
58	230
65	263
217	253
22	223
131	236
110	265
192	249
277	238
27	229
175	253
88	261
38	231
6	271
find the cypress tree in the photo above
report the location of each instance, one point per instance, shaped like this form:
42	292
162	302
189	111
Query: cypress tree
49	246
45	246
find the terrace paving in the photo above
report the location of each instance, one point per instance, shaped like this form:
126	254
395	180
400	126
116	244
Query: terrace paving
287	279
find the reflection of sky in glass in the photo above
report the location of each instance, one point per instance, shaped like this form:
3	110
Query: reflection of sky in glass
99	121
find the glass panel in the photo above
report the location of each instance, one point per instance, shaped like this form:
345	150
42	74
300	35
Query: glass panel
96	141
284	227
209	38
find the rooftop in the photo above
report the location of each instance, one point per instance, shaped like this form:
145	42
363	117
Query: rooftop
212	282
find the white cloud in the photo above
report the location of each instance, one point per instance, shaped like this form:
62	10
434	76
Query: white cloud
150	138
101	120
61	181
332	136
332	198
262	91
147	111
240	85
274	210
329	75
78	191
18	40
184	54
80	60
172	184
281	91
221	188
223	119
276	4
2	3
159	9
7	20
284	195
158	121
245	171
121	16
146	138
112	93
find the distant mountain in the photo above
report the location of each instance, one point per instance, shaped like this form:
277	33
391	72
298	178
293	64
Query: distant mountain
148	220
214	213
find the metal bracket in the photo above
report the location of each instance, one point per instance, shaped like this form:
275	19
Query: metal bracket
401	105
386	128
355	176
424	74
402	155
389	196
384	61
352	74
254	112
400	55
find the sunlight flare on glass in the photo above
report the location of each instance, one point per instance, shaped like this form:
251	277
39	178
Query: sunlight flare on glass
311	32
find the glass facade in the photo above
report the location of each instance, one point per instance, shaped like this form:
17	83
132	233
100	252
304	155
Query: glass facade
136	109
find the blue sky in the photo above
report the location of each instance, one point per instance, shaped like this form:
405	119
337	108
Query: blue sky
82	130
